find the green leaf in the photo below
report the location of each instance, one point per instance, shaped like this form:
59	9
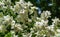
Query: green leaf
8	35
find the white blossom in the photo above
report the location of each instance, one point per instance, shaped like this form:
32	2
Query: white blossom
58	30
7	18
1	4
22	11
45	14
39	23
12	24
34	7
29	3
15	35
1	27
55	20
18	26
57	34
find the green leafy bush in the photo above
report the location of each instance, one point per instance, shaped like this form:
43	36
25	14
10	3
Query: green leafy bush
21	20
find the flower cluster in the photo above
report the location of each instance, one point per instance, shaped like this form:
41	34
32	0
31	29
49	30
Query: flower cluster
21	20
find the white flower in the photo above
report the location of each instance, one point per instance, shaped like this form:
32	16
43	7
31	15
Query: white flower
21	1
18	26
12	8
45	14
1	4
4	7
42	23
58	30
39	23
12	24
37	33
1	27
57	34
44	35
48	12
12	32
29	4
45	22
38	18
15	35
50	28
30	35
29	20
32	31
17	8
24	36
22	4
55	20
22	11
34	7
7	18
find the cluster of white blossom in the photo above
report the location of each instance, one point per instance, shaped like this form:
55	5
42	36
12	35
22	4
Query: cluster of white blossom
21	20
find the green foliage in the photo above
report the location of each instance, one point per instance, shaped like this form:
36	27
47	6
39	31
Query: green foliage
8	35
